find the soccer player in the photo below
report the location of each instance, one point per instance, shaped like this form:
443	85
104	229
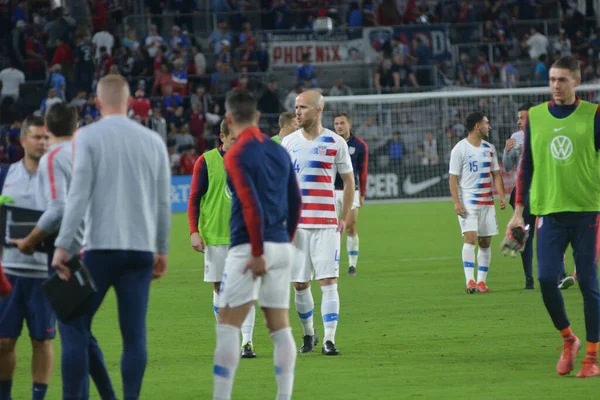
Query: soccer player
209	212
121	184
26	274
359	154
561	172
264	216
473	168
53	181
287	125
510	159
318	154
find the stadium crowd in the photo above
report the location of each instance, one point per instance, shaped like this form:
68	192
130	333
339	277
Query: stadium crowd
181	74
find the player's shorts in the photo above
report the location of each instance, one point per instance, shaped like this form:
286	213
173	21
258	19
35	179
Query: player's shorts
317	255
214	262
339	199
481	220
272	290
27	302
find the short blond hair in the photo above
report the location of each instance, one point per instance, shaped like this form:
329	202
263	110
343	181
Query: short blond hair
224	128
285	118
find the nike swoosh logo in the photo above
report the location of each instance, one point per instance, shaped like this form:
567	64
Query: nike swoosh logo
558	129
471	155
411	188
295	151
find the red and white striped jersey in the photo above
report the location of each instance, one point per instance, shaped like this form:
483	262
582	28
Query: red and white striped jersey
316	163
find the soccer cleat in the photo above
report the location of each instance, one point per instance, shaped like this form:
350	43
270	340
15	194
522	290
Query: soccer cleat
471	287
529	284
352	271
566	363
566	283
248	351
309	343
329	349
482	288
590	367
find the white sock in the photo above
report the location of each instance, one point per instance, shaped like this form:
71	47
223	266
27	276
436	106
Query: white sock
248	326
352	246
216	305
483	263
305	305
226	360
330	310
468	257
284	358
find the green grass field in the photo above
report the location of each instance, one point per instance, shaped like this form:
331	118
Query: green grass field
407	329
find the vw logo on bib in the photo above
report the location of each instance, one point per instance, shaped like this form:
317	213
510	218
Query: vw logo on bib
561	147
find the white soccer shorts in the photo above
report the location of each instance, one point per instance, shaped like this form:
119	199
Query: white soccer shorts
317	255
271	290
339	199
214	262
481	220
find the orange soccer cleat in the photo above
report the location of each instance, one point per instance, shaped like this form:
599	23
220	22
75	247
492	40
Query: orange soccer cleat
566	363
471	287
482	288
590	367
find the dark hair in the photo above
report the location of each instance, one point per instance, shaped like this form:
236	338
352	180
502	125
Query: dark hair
61	119
526	106
224	128
285	118
241	105
569	63
30	122
343	115
473	119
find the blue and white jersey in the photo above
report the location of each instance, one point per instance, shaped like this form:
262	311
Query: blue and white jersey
474	167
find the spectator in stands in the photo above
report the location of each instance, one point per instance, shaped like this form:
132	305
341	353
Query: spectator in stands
160	59
180	78
170	101
103	39
411	12
580	43
197	123
173	155
177	39
463	70
140	107
11	79
157	123
57	80
269	102
36	56
355	15
541	71
536	43
90	111
50	100
290	101
182	137
217	36
187	160
387	13
430	151
386	78
14	150
456	132
306	71
83	65
79	101
17	46
340	89
422	58
396	151
466	15
202	98
163	79
246	60
105	62
224	56
130	41
483	72
370	133
262	56
281	15
222	80
63	56
246	33
126	61
563	44
57	28
19	13
509	76
399	48
199	61
99	13
153	41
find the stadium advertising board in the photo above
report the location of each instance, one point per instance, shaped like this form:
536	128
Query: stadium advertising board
180	192
352	46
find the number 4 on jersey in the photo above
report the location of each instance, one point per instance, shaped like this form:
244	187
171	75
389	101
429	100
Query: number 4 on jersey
473	166
296	166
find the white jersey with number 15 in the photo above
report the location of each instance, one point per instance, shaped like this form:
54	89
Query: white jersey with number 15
474	167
